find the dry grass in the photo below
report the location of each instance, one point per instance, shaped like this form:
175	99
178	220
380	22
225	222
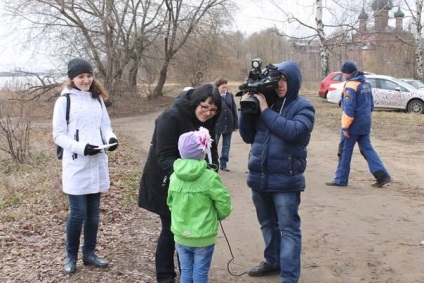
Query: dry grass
387	125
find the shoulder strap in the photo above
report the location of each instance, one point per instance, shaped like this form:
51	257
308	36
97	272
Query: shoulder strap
101	106
68	107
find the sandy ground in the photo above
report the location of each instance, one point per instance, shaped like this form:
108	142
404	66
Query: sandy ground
352	234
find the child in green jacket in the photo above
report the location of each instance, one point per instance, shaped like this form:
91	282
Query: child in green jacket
197	200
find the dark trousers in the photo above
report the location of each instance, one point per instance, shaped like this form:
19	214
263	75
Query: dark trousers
346	146
225	149
165	249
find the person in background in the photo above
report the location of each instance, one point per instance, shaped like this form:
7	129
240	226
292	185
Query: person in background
85	171
190	110
197	200
279	135
357	104
227	122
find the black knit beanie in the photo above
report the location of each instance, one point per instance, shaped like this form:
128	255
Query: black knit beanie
78	66
348	67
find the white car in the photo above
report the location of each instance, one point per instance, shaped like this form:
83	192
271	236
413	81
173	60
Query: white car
415	83
334	93
388	93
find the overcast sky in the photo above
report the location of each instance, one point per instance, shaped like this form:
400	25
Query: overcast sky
252	16
256	15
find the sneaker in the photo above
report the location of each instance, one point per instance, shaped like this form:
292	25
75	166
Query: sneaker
224	168
263	269
334	184
382	182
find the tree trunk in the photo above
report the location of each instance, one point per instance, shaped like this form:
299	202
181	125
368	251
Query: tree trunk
325	69
132	74
417	38
162	79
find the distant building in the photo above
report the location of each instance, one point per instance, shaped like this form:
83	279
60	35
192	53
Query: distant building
382	49
375	46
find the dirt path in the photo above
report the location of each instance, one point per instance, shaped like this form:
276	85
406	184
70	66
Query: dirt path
353	234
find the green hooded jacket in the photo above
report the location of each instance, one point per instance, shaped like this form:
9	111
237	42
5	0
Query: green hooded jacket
197	200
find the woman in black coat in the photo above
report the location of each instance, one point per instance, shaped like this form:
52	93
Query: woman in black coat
190	110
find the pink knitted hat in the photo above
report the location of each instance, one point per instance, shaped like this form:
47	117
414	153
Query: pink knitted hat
195	144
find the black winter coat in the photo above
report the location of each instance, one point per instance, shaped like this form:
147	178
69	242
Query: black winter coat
174	121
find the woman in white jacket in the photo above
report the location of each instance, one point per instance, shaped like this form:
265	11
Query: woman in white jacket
85	170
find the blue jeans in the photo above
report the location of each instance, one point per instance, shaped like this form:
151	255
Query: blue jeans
225	150
83	210
346	149
195	263
278	216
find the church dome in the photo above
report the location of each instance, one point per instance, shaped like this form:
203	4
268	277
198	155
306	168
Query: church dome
363	15
399	13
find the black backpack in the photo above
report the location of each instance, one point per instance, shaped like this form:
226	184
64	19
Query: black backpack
59	149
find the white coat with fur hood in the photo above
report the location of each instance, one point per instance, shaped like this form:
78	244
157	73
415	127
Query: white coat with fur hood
89	122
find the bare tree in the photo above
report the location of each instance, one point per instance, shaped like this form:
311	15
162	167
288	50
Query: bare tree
15	125
147	31
110	32
325	68
206	51
194	62
341	18
181	19
268	46
417	30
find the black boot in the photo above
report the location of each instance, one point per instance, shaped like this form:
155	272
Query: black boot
263	269
93	260
70	265
381	178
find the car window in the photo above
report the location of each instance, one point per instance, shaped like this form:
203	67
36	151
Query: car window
416	84
373	82
389	85
402	88
338	77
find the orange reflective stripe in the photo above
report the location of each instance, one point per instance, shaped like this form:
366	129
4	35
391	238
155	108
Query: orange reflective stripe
346	121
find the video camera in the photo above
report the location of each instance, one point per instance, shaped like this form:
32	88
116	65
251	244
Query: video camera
259	81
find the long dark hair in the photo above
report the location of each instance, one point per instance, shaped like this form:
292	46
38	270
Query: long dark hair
97	89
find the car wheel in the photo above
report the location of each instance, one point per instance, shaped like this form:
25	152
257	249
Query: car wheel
415	106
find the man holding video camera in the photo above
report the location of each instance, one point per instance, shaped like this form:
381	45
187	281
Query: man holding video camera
279	134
